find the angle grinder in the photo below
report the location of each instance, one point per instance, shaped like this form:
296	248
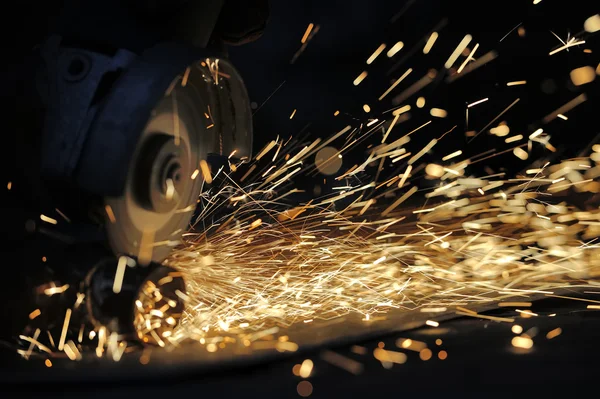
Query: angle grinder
115	141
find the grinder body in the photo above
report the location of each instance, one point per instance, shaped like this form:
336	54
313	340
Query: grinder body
117	105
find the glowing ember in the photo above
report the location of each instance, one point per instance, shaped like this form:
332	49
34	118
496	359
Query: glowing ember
583	75
554	333
360	78
395	48
592	24
522	342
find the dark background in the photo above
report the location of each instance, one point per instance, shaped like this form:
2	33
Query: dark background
320	82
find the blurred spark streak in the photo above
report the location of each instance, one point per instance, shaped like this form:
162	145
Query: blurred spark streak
120	273
469	58
430	42
461	46
63	334
496	154
62	215
477	102
565	108
522	342
434	310
390	128
510	31
306	368
186	76
423	151
401	110
205	169
438	112
405	176
268	98
516	329
110	214
56	290
400	79
34	314
48	219
402	11
389	356
484	59
514	304
360	78
34	342
554	333
452	155
311	33
572	298
343	362
536	134
376	54
527	312
481	316
266	149
399	201
176	132
495	119
395	48
572	42
307	32
513	138
418	46
415	87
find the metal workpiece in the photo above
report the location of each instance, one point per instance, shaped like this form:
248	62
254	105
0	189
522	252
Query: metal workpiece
136	302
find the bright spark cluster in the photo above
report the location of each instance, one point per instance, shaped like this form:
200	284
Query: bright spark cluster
477	240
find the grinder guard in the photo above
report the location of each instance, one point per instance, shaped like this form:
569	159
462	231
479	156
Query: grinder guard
138	149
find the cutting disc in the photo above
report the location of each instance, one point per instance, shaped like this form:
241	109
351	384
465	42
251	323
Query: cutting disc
204	111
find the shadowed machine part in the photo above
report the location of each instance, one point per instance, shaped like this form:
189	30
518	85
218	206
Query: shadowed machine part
122	124
139	302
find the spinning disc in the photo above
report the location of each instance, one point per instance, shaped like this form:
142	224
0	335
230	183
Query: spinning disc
204	111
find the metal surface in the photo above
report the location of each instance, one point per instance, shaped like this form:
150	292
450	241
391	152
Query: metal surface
192	359
127	310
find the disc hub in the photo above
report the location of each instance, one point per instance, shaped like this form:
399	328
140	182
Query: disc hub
159	173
